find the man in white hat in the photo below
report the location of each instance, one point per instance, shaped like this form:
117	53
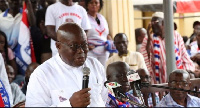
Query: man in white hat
153	50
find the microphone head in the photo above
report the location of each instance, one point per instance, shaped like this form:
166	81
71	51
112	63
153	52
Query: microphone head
86	71
106	83
133	76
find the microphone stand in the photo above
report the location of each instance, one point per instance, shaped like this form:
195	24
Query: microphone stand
165	87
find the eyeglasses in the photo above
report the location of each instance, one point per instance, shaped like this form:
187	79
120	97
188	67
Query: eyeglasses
181	83
74	47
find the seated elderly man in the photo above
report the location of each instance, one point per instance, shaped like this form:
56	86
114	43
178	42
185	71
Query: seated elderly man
17	94
134	59
117	72
179	79
146	78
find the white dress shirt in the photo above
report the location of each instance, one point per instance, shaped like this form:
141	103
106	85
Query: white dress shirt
54	82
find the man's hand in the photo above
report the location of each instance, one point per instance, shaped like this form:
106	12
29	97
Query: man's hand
91	47
80	98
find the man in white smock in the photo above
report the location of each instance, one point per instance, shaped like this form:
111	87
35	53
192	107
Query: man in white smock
58	81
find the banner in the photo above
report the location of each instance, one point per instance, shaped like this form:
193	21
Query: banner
4	98
24	51
188	6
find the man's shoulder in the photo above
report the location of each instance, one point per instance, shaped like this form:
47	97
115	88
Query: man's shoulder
135	53
162	103
113	57
44	67
194	99
54	6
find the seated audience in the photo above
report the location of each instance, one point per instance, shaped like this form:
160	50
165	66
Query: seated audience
146	78
117	72
17	94
179	79
29	71
134	59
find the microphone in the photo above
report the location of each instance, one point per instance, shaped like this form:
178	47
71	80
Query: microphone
118	95
86	73
135	82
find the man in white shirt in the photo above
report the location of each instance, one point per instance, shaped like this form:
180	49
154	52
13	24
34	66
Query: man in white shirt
58	81
179	79
61	12
134	59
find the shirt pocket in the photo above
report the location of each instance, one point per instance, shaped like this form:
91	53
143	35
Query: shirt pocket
58	96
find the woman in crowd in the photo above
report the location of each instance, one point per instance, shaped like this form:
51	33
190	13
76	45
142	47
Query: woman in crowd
6	52
98	36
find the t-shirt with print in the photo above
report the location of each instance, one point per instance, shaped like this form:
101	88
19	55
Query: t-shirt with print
58	13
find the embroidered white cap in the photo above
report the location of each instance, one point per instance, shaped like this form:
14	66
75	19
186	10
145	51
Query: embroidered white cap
158	14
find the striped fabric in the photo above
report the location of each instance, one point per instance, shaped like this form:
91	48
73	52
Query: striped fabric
156	64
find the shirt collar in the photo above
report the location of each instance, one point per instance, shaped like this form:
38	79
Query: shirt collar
7	10
171	102
124	55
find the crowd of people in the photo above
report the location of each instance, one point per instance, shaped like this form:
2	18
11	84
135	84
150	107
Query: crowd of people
69	36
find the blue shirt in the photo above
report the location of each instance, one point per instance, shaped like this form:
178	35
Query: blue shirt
167	101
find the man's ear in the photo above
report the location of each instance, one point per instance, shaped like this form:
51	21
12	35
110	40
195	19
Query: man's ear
58	45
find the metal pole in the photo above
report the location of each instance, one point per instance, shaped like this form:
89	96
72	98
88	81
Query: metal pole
169	36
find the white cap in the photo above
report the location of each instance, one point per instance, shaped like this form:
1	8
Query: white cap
158	14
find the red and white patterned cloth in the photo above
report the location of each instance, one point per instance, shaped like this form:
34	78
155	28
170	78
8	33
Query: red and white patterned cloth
150	62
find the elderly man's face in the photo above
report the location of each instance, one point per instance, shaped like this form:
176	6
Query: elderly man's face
73	48
179	80
157	25
121	43
120	76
